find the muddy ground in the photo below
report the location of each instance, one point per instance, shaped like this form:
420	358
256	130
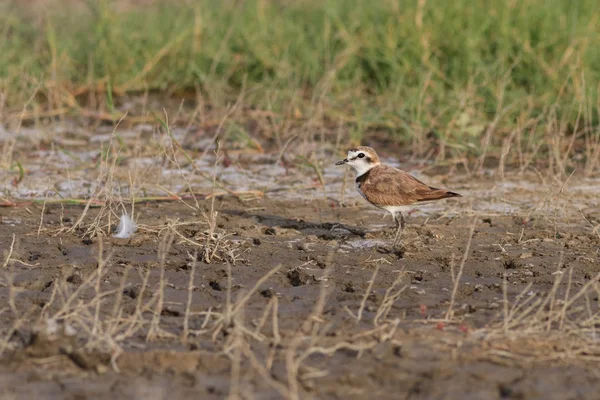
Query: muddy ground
319	245
292	291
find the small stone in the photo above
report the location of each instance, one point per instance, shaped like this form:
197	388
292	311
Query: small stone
267	293
304	247
349	287
297	277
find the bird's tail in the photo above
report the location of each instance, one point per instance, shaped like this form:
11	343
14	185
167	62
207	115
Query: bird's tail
450	194
437	194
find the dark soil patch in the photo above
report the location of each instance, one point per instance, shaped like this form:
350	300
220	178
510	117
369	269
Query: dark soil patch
287	234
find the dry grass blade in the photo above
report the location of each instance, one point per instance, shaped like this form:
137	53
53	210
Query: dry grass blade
358	315
461	267
242	302
186	320
389	299
163	250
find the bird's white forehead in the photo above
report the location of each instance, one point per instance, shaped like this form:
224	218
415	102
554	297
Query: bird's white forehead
352	154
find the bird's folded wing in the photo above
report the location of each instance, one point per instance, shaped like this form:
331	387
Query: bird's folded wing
393	187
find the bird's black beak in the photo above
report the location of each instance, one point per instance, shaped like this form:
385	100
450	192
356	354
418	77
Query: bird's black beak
342	162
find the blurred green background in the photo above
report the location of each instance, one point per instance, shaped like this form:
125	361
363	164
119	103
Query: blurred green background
413	68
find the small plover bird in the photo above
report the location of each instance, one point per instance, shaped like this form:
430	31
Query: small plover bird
387	187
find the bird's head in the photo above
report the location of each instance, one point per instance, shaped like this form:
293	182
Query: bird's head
361	158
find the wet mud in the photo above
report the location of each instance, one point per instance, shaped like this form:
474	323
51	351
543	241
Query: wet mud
291	290
319	253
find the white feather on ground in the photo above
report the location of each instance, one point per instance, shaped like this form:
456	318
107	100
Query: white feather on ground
127	227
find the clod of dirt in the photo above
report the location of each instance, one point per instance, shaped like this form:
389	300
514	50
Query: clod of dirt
88	361
507	392
270	231
466	291
429	234
134	241
323	262
522	220
349	287
297	277
75	279
215	285
465	309
511	264
487	221
51	339
399	252
87	241
304	247
256	241
132	292
396	251
383	350
34	256
169	312
419	276
444	263
267	293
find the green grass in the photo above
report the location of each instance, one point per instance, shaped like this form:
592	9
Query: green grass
443	68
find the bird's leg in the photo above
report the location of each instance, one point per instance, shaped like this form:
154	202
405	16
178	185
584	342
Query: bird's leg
399	227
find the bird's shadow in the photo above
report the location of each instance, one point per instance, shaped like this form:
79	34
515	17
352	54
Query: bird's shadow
326	230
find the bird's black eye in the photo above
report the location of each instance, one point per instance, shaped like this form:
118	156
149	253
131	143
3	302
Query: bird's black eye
361	155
